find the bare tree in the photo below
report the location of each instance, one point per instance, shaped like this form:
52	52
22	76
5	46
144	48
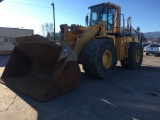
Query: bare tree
47	29
42	30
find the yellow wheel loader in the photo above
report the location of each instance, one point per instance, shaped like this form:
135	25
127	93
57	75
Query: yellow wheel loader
44	69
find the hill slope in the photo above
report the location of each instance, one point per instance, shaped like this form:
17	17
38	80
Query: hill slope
152	34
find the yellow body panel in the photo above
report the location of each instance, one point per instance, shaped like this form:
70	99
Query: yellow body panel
122	45
77	40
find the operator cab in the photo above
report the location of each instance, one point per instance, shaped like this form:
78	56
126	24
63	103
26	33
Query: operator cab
107	13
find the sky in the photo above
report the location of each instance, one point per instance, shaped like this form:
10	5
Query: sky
31	14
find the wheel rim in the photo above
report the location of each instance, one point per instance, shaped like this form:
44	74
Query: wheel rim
138	56
107	59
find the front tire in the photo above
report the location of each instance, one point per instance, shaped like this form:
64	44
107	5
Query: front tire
99	58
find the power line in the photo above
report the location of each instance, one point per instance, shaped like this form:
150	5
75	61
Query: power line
44	7
68	13
27	4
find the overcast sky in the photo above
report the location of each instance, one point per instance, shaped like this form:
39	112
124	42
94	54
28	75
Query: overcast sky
30	14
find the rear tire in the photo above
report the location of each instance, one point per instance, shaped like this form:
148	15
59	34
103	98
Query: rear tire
147	54
135	56
99	58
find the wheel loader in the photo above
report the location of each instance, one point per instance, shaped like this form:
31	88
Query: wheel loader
43	68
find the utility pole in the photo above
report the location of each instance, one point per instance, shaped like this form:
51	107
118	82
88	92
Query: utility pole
53	20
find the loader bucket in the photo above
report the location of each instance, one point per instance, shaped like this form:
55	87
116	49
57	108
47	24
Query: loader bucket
41	68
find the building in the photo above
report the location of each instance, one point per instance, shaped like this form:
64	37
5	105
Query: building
153	40
8	37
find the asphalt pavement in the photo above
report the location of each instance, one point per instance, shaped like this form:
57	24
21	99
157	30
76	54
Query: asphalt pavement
126	95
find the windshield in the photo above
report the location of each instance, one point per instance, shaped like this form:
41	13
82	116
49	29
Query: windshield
98	13
103	13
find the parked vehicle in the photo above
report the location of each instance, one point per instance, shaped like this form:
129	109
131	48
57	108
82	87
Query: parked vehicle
144	45
153	48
